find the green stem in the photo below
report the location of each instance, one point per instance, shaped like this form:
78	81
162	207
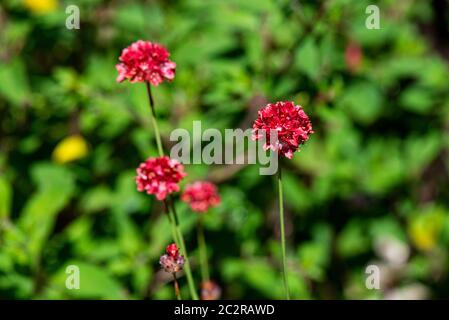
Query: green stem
171	222
182	246
154	121
172	216
203	250
282	223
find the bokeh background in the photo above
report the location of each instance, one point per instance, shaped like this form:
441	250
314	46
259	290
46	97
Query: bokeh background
370	186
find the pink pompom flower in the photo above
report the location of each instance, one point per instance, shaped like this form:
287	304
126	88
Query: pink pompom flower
201	196
145	61
291	123
172	261
159	176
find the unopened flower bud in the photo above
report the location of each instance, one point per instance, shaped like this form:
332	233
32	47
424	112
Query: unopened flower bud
172	261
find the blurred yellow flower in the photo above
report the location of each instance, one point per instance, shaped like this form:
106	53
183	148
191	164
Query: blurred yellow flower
425	229
71	148
41	6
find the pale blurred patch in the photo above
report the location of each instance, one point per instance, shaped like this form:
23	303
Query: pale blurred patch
70	149
414	291
391	250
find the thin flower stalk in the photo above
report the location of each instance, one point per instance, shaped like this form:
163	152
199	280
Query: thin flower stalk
201	196
157	134
146	61
176	285
293	128
282	226
173	218
202	250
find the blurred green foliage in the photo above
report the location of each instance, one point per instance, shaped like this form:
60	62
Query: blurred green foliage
375	171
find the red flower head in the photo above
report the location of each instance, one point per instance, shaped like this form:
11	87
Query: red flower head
201	196
145	61
159	176
291	123
172	261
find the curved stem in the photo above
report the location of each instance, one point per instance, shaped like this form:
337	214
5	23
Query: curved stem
203	250
172	216
282	223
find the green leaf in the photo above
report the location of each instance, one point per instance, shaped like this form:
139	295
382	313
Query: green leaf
55	187
352	240
313	257
420	150
95	282
5	197
96	199
417	99
382	166
14	83
307	58
261	276
296	194
20	286
363	101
